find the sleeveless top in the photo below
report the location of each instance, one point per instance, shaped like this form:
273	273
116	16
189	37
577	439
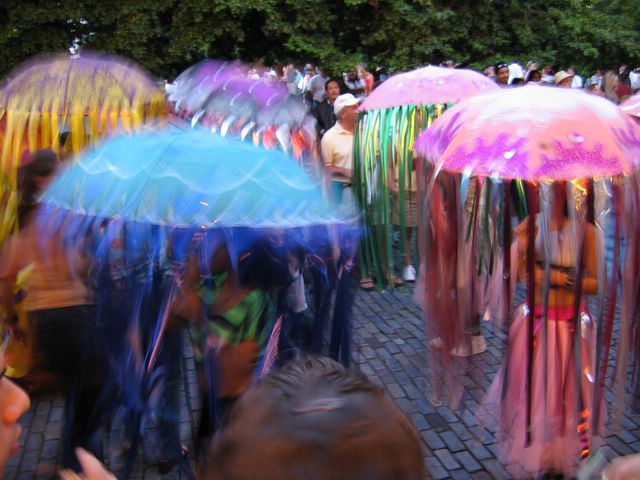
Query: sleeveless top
563	248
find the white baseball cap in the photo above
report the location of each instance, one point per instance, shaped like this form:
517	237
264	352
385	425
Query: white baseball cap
345	100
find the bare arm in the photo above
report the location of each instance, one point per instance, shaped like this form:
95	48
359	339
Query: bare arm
590	275
9	267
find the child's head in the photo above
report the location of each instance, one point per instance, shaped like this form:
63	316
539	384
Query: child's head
314	419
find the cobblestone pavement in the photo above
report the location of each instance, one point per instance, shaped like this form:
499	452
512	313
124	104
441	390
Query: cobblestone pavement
389	348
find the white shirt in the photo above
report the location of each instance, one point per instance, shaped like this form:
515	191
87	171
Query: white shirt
316	87
577	82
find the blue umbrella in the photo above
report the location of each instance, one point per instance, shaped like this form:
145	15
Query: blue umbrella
159	191
190	179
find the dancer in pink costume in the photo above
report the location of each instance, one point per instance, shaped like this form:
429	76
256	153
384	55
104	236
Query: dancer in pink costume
560	415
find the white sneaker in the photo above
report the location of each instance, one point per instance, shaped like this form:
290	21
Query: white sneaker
409	274
477	344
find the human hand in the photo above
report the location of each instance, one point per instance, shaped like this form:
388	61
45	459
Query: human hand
92	469
623	468
522	235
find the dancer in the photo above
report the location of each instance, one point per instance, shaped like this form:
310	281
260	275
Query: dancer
234	309
59	308
544	425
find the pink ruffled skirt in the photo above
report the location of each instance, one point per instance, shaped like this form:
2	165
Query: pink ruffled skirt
555	443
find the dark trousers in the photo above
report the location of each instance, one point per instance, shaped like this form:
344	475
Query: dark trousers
340	346
68	342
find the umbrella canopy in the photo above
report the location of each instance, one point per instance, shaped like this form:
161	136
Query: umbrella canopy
152	209
64	103
428	86
189	179
221	97
391	119
87	96
631	106
534	133
565	163
191	89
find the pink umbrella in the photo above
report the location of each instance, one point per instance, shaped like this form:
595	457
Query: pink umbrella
428	86
631	106
399	110
534	133
515	146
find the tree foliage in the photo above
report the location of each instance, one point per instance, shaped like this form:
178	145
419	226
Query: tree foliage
166	36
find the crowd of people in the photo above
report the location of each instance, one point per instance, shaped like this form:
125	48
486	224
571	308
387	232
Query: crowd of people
309	82
320	419
615	84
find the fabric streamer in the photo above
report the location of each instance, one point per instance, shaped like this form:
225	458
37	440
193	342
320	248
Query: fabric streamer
383	142
149	207
65	103
221	97
508	157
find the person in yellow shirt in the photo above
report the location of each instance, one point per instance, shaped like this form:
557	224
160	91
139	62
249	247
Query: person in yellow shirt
337	153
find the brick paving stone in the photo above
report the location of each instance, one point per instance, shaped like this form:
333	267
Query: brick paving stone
446	459
406	405
10	472
482	476
56	414
29	461
461	430
436	421
453	443
468	418
435	469
494	449
626	436
43	407
419	422
482	434
395	390
432	439
447	414
620	447
392	348
368	352
38	424
50	449
33	442
477	449
366	369
53	430
412	392
467	461
494	468
424	406
459	475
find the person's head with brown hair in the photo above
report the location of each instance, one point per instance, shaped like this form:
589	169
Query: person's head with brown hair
313	419
610	84
35	175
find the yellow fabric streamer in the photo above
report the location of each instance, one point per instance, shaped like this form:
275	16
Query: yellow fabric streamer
86	97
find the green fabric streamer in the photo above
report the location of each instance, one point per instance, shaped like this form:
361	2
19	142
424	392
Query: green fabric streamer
384	140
